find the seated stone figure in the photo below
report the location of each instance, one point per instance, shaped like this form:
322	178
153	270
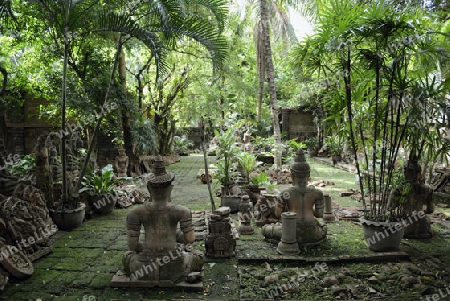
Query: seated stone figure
307	202
414	197
159	259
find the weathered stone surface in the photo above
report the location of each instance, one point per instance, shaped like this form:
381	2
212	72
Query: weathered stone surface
330	281
159	260
123	281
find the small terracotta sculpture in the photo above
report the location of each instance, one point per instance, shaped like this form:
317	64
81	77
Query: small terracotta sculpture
52	142
7	181
159	259
268	210
414	198
245	216
121	163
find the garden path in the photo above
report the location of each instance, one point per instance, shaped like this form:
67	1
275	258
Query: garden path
84	260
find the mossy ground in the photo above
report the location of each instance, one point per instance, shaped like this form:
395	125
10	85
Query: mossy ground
84	260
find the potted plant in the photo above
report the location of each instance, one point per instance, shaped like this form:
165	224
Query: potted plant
380	84
68	210
334	147
312	145
101	188
182	144
226	152
68	213
247	163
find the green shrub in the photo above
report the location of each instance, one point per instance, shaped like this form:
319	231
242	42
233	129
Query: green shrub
25	166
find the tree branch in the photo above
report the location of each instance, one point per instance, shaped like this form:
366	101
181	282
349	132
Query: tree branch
5	79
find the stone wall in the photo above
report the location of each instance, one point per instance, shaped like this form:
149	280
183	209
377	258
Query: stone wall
24	126
106	150
194	134
298	123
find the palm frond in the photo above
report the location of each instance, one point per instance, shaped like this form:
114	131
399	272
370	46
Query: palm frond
205	34
218	9
108	21
6	12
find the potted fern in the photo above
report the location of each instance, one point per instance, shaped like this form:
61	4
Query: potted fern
226	152
102	189
247	163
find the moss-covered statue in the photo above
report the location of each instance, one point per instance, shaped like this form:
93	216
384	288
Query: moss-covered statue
306	202
415	199
160	259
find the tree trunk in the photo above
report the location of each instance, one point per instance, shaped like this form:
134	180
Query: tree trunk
5	79
270	73
99	120
261	72
126	121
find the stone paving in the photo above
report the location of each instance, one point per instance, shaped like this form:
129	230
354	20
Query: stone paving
84	261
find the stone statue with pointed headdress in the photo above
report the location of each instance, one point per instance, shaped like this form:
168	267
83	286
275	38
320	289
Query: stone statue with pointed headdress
164	257
307	202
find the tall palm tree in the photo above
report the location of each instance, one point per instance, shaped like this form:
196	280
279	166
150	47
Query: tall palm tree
157	24
265	61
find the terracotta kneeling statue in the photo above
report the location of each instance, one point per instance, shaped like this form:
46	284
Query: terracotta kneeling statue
307	202
415	197
160	259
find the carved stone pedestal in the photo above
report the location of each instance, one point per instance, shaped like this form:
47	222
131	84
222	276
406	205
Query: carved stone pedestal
245	216
288	244
220	242
328	215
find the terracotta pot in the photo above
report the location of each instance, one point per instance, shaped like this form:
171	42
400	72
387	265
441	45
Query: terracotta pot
382	236
68	220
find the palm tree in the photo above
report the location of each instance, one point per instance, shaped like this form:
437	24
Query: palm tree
157	24
267	70
265	63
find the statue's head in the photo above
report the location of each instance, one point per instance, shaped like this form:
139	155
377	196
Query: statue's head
299	168
412	169
160	177
121	150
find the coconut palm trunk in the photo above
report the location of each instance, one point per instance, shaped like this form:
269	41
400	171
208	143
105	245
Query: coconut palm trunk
270	74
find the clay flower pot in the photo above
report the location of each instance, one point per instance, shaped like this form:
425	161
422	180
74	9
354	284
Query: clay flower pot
382	236
103	203
68	219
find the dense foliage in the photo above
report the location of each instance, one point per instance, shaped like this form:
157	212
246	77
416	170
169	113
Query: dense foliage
180	63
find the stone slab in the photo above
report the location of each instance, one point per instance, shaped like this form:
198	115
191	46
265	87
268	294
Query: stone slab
40	253
375	257
121	280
